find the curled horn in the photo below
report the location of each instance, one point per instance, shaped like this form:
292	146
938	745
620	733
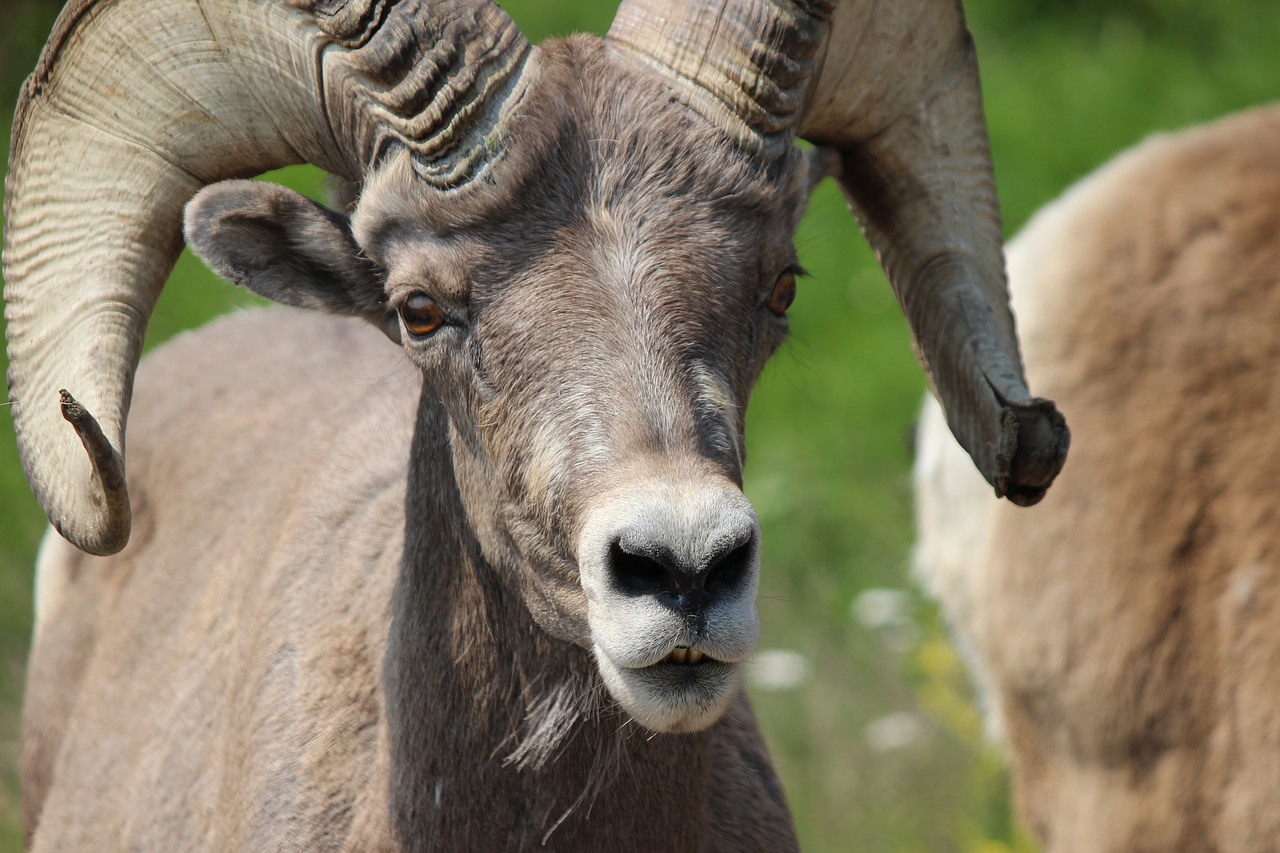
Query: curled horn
893	89
136	105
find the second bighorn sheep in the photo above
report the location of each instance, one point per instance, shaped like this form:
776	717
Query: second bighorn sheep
373	602
1127	633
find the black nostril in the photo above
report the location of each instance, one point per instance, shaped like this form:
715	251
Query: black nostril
641	574
728	571
690	584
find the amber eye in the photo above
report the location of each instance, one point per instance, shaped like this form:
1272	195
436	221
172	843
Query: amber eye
421	315
784	293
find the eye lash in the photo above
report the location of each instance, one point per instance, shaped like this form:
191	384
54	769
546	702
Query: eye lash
401	294
397	294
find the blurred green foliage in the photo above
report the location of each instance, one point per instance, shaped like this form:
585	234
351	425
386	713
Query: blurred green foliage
1068	83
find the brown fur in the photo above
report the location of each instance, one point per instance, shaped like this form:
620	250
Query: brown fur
349	616
1128	630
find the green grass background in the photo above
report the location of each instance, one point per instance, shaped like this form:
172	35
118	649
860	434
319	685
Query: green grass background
1067	85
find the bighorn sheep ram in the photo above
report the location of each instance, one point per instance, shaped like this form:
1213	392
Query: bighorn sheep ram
1126	633
361	610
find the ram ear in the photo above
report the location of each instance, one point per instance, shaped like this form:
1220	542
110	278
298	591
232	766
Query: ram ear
287	248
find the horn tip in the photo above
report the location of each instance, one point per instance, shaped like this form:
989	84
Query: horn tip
1041	439
109	531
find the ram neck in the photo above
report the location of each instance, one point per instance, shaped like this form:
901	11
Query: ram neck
497	732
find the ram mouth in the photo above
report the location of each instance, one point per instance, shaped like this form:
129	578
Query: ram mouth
685	656
683	691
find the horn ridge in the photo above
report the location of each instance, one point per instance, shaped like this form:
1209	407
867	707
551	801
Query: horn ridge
437	89
744	66
351	24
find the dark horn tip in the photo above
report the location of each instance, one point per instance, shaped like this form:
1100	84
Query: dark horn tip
106	462
72	411
1041	445
108	471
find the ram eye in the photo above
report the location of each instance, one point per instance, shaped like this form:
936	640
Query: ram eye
784	293
421	315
